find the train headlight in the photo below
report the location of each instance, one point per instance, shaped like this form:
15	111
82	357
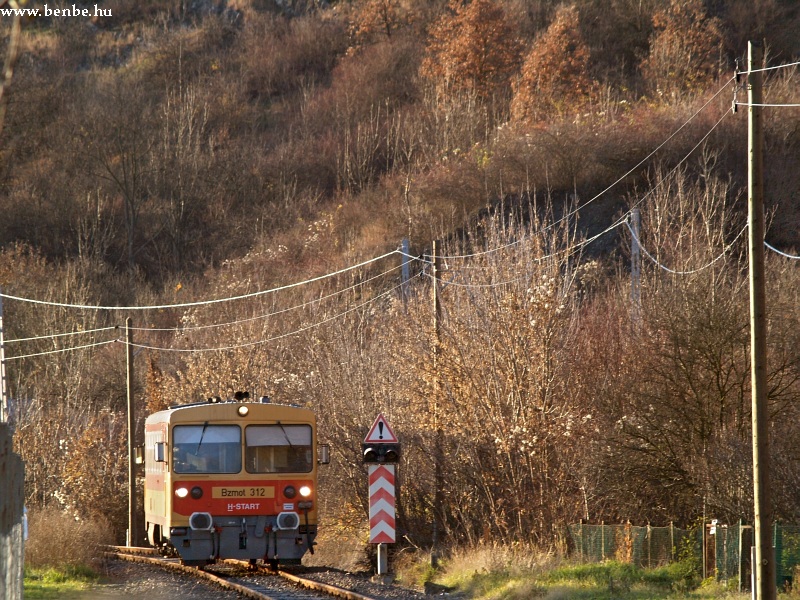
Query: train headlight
289	491
305	491
243	410
197	492
181	492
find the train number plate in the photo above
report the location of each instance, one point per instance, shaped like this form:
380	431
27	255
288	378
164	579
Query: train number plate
243	492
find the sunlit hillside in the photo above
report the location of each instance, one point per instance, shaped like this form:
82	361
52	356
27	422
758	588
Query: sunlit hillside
251	169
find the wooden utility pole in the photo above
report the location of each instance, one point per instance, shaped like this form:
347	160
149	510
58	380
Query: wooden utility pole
405	269
764	568
437	451
636	271
3	378
134	535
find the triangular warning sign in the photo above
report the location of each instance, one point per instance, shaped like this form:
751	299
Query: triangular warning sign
380	433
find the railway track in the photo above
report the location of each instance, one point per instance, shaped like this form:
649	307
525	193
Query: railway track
250	581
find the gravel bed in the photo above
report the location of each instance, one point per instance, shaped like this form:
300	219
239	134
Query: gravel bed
137	581
362	583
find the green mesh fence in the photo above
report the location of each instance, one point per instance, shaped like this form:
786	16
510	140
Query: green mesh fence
643	546
726	548
786	539
729	562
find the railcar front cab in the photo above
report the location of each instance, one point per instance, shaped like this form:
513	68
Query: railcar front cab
243	489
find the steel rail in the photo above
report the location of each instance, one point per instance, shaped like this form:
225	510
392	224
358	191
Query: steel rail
150	556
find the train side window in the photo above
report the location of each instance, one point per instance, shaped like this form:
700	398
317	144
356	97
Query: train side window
159	452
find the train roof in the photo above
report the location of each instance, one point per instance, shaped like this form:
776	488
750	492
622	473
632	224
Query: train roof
228	410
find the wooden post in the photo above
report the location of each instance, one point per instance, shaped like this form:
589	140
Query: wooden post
437	452
672	541
602	540
3	378
134	535
12	539
405	272
765	560
636	271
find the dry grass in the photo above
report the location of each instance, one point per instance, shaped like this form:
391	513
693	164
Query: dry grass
58	540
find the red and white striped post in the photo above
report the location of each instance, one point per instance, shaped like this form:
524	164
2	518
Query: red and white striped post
381	451
381	504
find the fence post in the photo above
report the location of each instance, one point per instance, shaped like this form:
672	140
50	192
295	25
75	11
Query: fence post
739	555
581	534
672	541
602	540
777	544
649	545
12	549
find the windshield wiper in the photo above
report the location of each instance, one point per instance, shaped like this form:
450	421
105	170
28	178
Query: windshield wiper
202	433
285	435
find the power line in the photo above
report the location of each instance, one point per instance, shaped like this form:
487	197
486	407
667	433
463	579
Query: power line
58	335
571	249
203	302
623	218
270	339
768	105
791	256
794	64
693	271
268	315
619	179
59	350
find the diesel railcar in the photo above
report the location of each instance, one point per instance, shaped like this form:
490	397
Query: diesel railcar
232	479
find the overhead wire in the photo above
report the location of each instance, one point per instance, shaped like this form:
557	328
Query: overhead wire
612	185
270	339
784	254
367	262
60	350
583	243
639	164
58	335
202	302
693	271
767	105
182	329
774	67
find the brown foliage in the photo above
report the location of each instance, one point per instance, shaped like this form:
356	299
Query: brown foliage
684	51
95	479
375	20
555	75
57	539
472	47
238	157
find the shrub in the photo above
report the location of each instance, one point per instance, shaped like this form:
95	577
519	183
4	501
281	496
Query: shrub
56	539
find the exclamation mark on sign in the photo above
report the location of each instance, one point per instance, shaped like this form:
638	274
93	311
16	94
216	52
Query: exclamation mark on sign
380	430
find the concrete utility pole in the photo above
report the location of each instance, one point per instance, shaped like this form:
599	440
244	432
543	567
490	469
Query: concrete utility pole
764	568
134	535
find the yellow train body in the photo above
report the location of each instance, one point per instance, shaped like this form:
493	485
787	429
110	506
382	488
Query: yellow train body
231	479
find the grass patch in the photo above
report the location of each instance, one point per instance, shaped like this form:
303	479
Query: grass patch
501	573
63	555
67	583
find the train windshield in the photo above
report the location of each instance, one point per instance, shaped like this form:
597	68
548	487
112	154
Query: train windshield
278	449
206	448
